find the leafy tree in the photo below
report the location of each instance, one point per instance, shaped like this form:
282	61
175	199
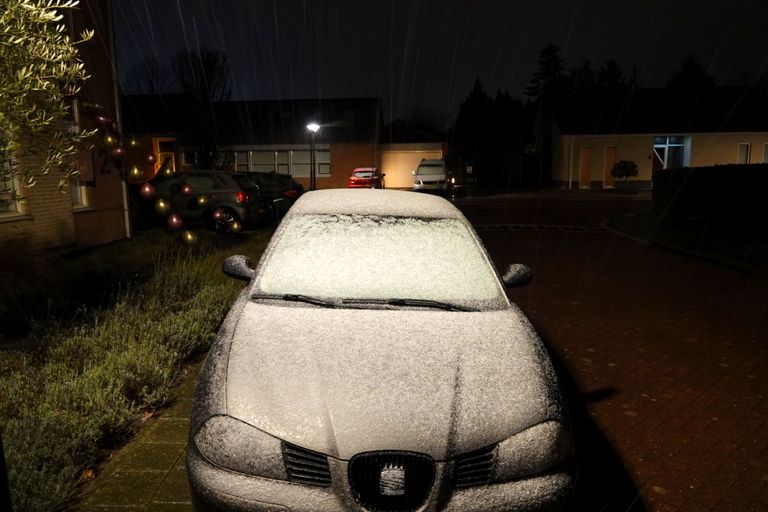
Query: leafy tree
549	75
691	76
624	169
40	69
150	77
204	78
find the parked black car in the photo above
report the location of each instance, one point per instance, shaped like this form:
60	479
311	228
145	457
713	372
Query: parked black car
277	191
199	198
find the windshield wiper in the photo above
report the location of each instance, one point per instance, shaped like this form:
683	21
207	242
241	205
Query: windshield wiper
292	297
423	303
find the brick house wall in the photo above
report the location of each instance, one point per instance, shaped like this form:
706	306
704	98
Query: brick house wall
102	220
47	218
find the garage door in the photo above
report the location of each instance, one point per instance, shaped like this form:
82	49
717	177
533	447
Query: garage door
397	165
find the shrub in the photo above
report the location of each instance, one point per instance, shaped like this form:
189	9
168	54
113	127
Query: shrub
69	392
624	169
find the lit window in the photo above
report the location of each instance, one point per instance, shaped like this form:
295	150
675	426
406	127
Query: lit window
669	152
744	150
78	193
167	162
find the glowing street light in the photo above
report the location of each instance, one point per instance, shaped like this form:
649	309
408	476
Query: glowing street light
313	129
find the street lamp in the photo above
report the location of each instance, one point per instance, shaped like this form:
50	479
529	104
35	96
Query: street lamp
313	129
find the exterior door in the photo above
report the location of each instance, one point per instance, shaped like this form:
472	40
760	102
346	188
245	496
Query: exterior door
585	167
608	161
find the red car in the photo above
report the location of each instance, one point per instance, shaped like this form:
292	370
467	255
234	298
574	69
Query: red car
366	177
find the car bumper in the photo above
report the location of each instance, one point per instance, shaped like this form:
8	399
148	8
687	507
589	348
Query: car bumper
430	186
217	489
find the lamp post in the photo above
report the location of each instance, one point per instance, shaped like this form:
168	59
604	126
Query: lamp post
313	129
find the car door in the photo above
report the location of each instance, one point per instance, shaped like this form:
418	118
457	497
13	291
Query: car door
190	205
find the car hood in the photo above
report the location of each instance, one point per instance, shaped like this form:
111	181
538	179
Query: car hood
345	381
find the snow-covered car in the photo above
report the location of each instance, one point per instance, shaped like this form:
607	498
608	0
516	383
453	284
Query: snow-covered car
409	384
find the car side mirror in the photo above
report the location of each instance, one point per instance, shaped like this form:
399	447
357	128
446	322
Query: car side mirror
517	274
238	267
383	175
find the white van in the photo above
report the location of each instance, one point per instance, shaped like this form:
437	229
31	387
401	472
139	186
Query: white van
430	175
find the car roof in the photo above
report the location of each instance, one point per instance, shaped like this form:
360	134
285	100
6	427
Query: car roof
398	203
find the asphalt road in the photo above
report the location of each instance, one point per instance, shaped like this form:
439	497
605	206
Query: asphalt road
662	356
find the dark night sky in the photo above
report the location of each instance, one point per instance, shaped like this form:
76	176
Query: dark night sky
426	53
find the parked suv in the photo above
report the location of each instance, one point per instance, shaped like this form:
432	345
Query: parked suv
430	175
211	198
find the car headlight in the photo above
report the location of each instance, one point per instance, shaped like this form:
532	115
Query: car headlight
235	445
532	451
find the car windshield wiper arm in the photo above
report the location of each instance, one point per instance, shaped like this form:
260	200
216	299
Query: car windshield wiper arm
424	303
293	297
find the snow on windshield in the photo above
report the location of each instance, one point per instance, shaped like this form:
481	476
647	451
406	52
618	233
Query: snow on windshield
372	257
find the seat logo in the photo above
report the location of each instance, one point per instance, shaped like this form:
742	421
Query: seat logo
392	480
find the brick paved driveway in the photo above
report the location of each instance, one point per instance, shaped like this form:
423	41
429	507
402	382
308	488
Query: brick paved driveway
668	354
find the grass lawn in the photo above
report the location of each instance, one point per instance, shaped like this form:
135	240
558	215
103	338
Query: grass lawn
99	336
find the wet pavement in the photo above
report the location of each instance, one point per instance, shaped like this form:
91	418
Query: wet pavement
662	357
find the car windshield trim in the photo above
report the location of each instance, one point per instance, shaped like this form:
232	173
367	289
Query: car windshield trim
293	297
423	303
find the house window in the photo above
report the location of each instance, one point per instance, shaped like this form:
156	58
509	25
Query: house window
78	193
300	163
263	161
189	158
241	161
669	152
744	150
9	203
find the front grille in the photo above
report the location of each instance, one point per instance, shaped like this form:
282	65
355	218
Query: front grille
305	466
474	468
391	481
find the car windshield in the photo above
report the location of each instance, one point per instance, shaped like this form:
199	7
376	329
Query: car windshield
374	257
431	169
363	174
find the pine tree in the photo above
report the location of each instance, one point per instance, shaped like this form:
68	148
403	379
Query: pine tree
549	76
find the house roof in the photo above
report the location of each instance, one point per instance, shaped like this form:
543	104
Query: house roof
719	109
258	122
